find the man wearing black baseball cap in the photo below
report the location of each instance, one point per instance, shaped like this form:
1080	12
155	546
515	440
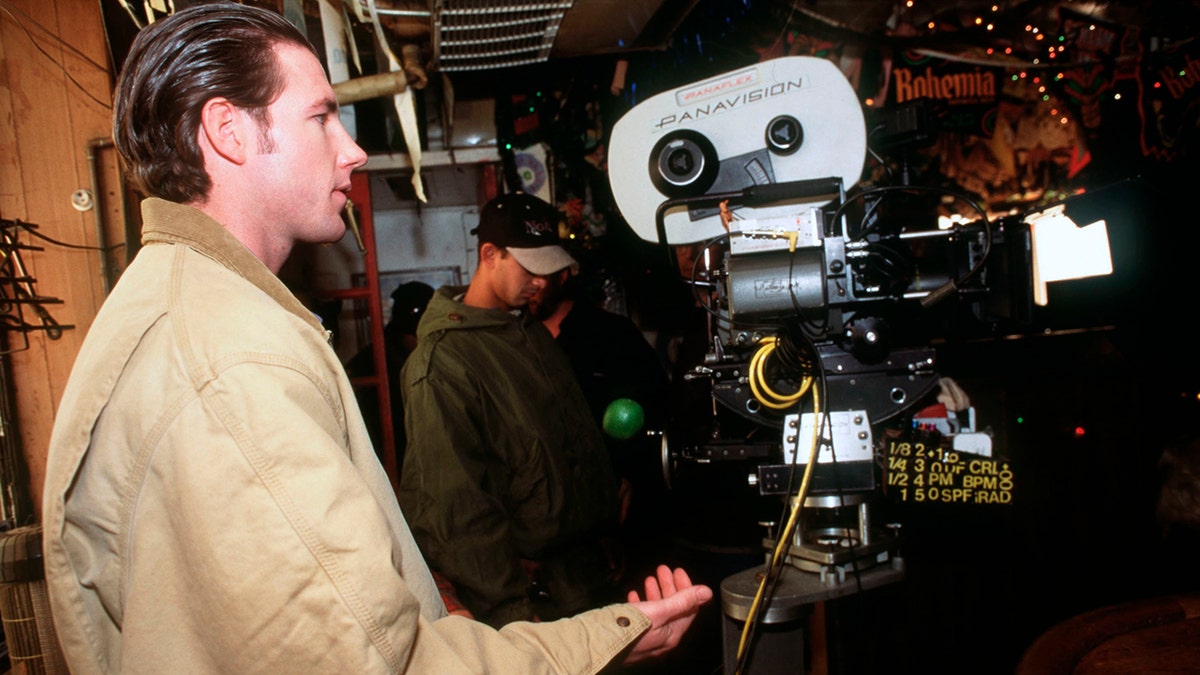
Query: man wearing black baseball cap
507	482
528	228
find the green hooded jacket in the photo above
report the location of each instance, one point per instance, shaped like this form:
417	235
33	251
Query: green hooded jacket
506	482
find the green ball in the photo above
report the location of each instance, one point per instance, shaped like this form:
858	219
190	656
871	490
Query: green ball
623	418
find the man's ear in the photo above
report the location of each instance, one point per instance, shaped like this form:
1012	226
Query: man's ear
223	127
489	253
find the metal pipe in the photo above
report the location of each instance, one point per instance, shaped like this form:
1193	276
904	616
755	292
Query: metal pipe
864	524
421	14
370	86
132	227
101	239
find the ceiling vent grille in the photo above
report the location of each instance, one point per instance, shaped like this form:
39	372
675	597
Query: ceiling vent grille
483	34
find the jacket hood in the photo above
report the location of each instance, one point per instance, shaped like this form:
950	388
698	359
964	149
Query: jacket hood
445	313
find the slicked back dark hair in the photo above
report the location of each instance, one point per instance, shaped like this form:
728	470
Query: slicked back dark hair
174	67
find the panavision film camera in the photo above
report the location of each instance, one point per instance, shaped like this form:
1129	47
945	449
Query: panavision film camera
811	291
817	290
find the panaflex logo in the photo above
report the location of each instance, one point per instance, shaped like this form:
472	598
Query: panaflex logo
539	228
717	86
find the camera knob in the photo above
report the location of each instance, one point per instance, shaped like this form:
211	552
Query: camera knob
784	135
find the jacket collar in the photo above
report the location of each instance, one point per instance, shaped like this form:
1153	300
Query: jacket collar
167	222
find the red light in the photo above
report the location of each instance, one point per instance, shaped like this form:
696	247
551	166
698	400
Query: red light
1080	432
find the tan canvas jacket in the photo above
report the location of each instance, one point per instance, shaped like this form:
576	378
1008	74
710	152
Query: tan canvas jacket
213	504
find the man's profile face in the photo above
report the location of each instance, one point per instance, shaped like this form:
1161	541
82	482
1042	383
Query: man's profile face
301	167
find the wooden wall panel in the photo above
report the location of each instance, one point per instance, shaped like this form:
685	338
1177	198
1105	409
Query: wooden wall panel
55	99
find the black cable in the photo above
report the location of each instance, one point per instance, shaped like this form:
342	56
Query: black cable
8	8
31	229
806	324
837	481
852	541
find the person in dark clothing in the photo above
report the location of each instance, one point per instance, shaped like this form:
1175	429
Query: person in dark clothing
399	339
613	360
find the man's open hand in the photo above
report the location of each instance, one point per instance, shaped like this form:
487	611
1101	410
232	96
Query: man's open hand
672	602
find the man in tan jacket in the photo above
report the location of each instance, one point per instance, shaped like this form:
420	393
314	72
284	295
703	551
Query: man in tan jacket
213	503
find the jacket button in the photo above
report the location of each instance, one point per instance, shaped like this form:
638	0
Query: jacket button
623	621
455	316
